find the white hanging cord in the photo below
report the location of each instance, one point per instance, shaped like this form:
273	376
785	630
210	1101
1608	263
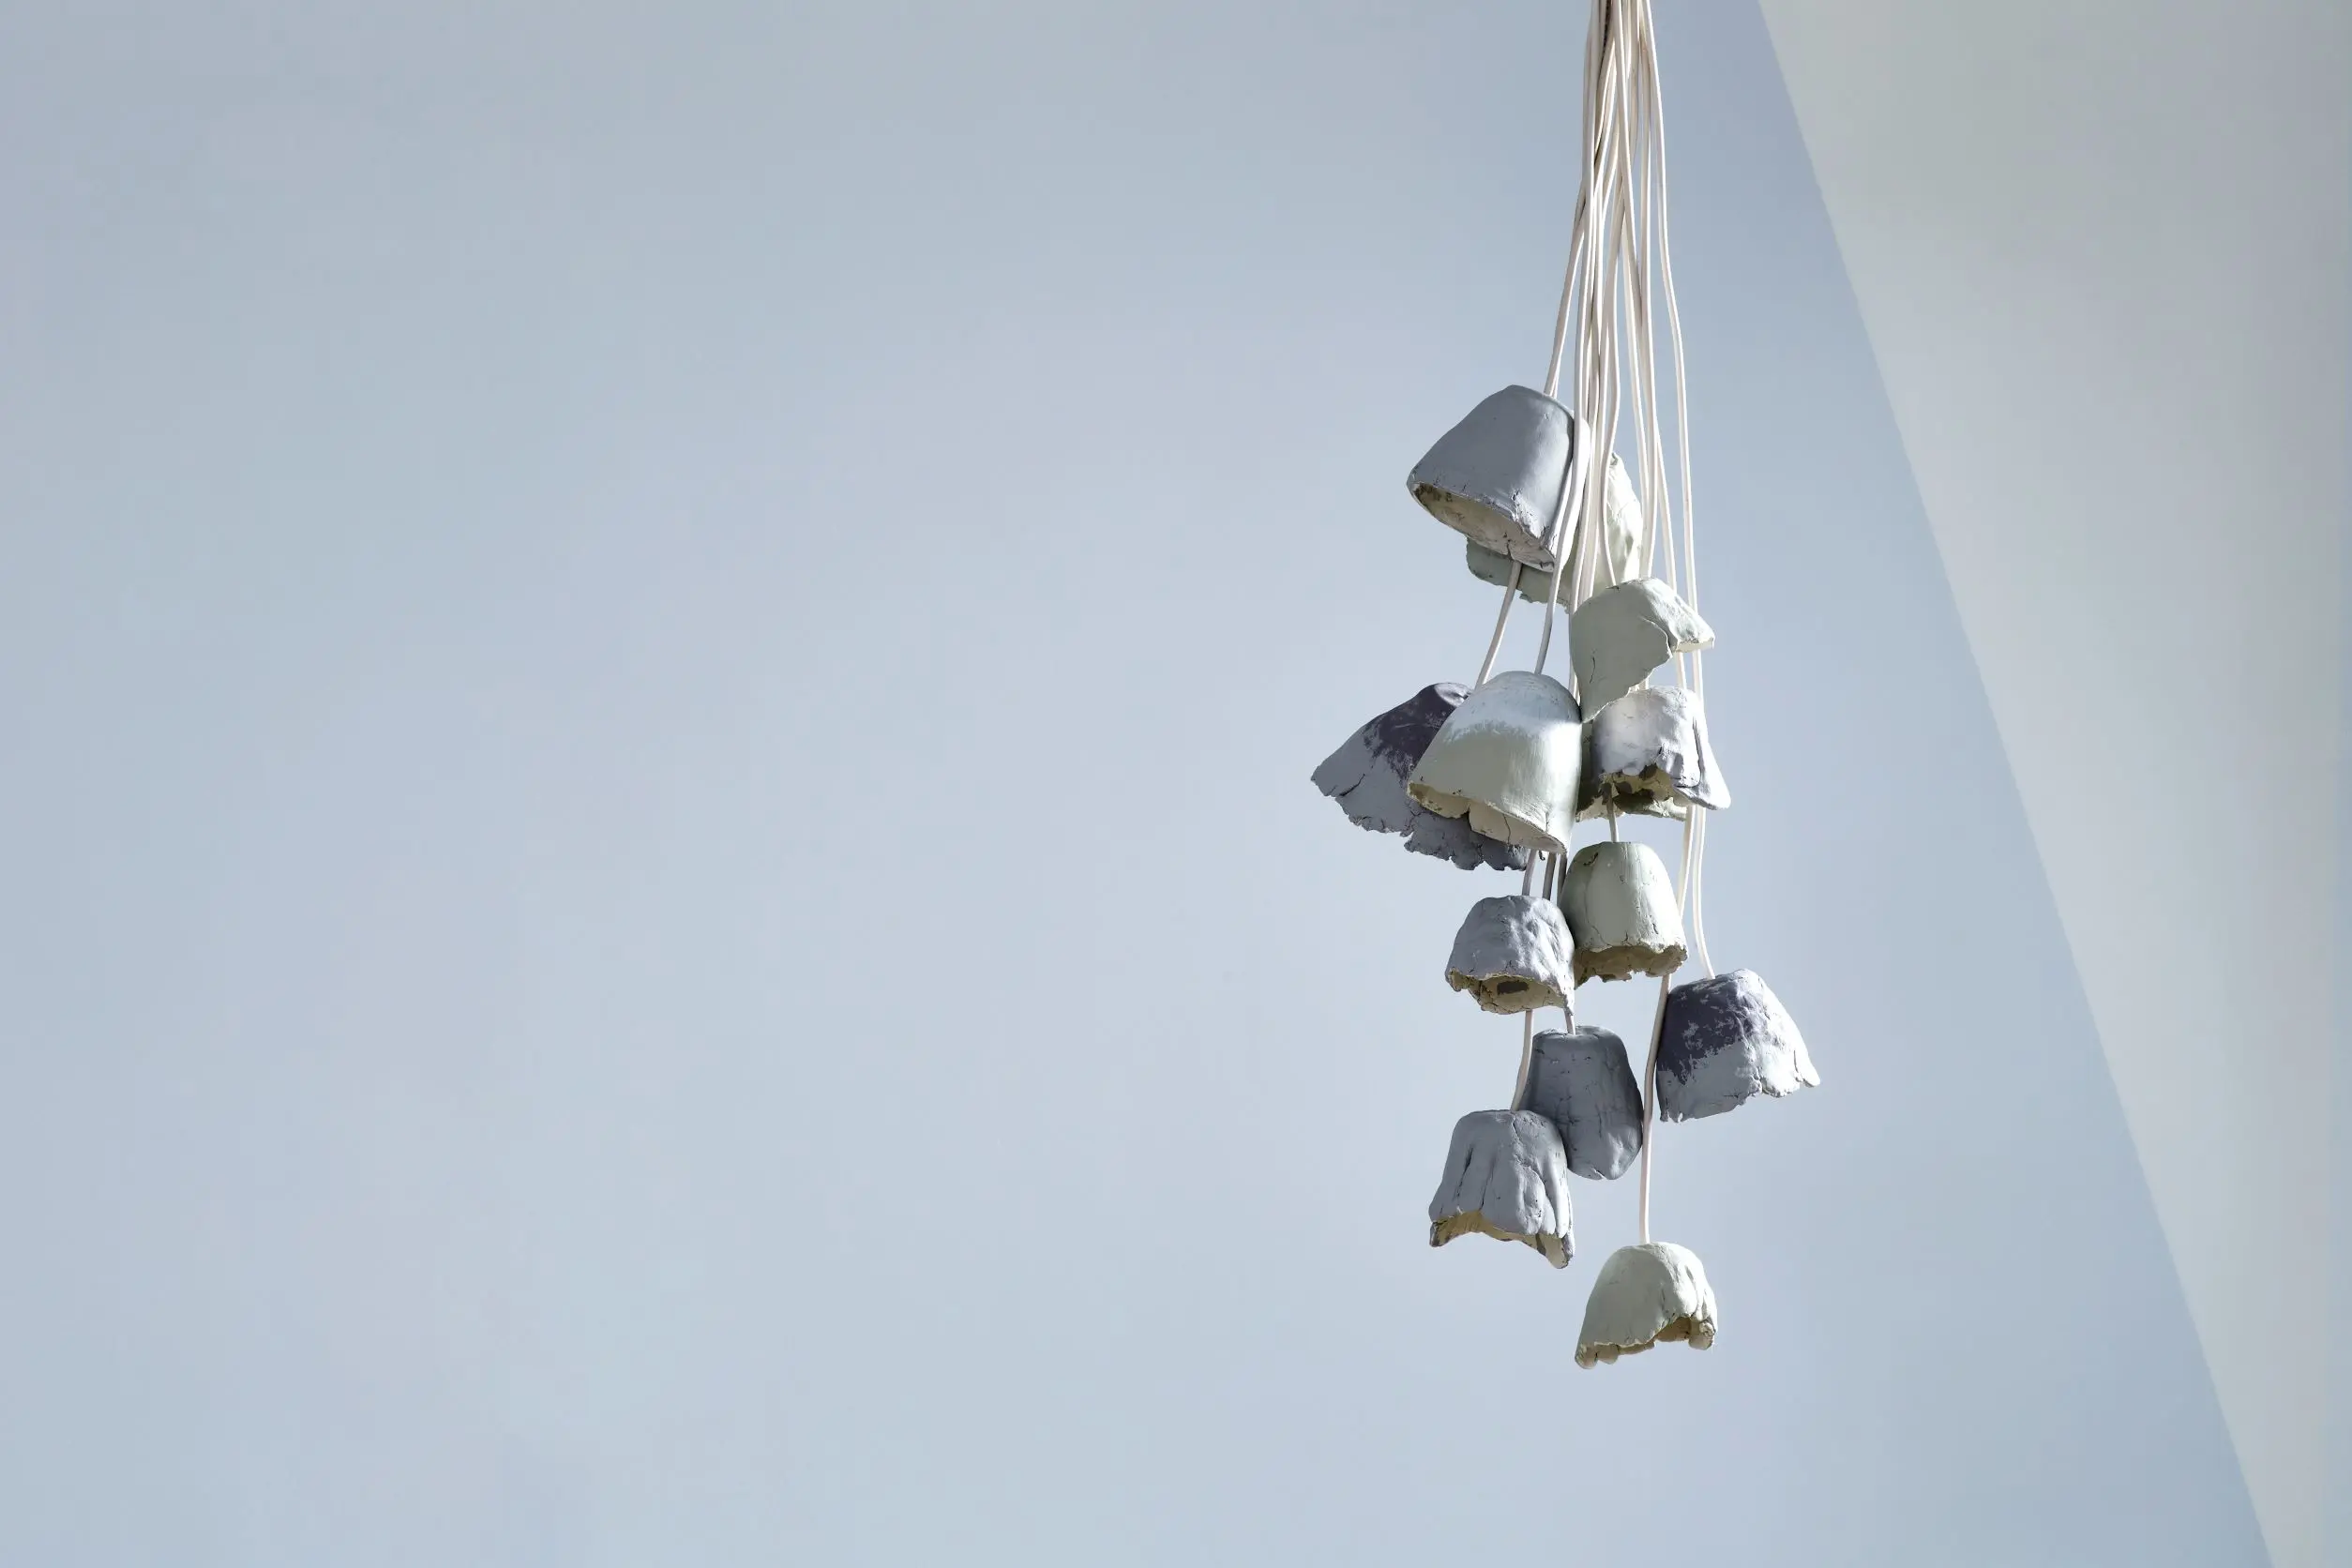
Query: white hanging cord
1649	1102
1559	886
1580	293
1666	503
1694	672
1665	506
1502	619
1696	827
1571	484
1692	829
1550	883
1595	33
1623	341
1597	391
1527	1059
1593	39
1660	501
1683	885
1567	296
1576	489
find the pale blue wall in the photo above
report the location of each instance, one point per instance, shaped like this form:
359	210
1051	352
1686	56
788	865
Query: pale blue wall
656	673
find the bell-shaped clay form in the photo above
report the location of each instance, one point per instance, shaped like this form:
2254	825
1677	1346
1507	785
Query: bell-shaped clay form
1366	776
1506	1176
1723	1041
1621	634
1647	1295
1620	905
1622	536
1497	475
1509	759
1583	1083
1647	753
1513	954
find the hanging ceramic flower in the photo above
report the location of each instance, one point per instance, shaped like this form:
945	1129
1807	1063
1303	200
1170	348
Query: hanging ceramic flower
1647	754
1513	954
1366	776
1620	908
1724	1040
1656	1293
1506	1176
1620	635
1497	475
1509	759
1584	1084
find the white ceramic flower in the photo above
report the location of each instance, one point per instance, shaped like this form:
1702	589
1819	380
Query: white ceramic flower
1645	1296
1647	753
1621	634
1620	904
1509	759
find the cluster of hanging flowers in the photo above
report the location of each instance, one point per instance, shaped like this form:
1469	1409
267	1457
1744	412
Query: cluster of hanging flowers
1500	775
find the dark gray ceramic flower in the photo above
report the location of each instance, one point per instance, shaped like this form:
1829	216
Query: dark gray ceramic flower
1506	1176
1727	1040
1366	776
1584	1083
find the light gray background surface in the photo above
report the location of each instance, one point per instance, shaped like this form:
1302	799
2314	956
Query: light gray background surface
2125	408
660	898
